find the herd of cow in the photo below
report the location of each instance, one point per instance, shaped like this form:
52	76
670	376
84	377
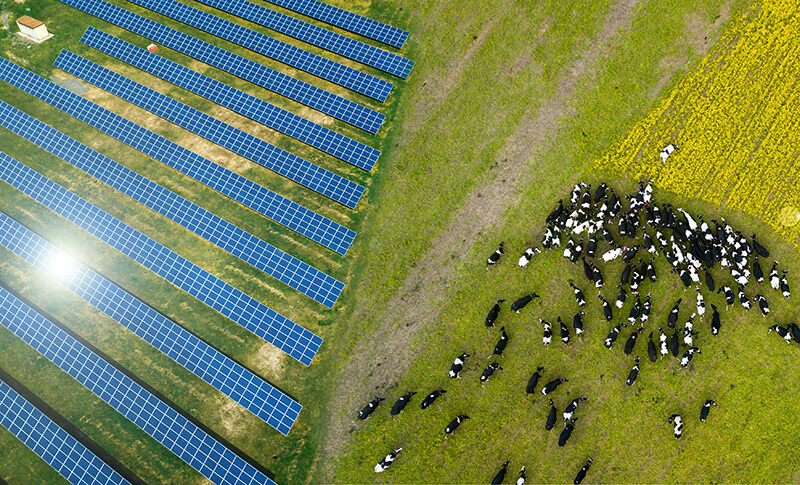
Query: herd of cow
688	243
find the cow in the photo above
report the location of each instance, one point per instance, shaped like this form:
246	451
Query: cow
636	310
491	317
795	332
564	331
645	314
629	344
705	409
501	344
701	303
687	356
579	298
582	472
688	331
548	332
553	216
612	254
400	404
533	382
757	271
591	245
552	385
569	249
455	423
743	299
785	286
634	373
663	342
651	272
621	297
387	461
521	479
606	308
673	315
761	250
626	274
489	370
430	398
369	408
613	334
571	407
577	323
730	298
597	277
567	432
715	321
495	257
600	192
551	417
457	366
673	343
763	305
781	331
677	423
651	349
527	255
710	282
774	279
523	302
501	475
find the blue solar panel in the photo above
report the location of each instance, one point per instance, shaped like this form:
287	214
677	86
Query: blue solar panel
302	92
280	161
327	69
55	446
271	405
336	43
288	123
294	216
179	435
346	20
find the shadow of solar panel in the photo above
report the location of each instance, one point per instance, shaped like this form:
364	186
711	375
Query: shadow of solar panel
265	45
288	123
55	446
269	404
346	20
294	216
294	89
179	435
280	161
331	41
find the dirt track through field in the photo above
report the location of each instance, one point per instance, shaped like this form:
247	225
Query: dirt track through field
417	303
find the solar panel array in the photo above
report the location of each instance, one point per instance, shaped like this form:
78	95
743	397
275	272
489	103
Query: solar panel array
302	92
280	161
179	435
55	446
265	45
317	228
286	122
268	403
326	39
346	20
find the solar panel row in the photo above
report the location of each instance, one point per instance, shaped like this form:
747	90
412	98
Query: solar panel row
268	403
331	41
179	435
288	123
346	20
55	446
265	45
302	92
294	216
240	142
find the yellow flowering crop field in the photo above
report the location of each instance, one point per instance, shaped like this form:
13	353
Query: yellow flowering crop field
736	121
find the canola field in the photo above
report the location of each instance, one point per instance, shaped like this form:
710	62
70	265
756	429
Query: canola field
735	119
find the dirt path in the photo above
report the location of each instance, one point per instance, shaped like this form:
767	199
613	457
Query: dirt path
420	299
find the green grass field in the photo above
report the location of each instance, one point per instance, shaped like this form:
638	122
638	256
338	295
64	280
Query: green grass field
505	110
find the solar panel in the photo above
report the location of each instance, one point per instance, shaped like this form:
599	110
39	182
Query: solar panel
286	122
280	161
268	403
179	435
294	216
265	45
294	89
346	20
336	43
55	446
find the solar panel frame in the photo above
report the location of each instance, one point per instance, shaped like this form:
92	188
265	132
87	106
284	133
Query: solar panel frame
323	101
50	442
152	415
349	21
286	122
294	168
290	214
337	73
250	391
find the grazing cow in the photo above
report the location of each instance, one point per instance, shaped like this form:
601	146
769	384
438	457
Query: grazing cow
582	472
630	254
693	274
569	248
782	331
621	297
626	274
673	315
527	255
588	269
648	244
651	349
384	464
761	250
701	303
674	343
636	310
663	341
705	409
677	423
591	245
369	408
795	332
455	423
730	298
612	254
564	331
579	298
577	323
521	479
651	271
430	398
613	334
457	365
688	331
785	286
489	370
501	475
495	257
600	192
501	344
523	302
710	282
606	308
551	417
552	385
645	315
597	277
571	407
762	304
553	216
576	253
684	276
632	341
586	199
533	382
757	271
400	404
567	432
743	299
493	313
634	373
548	332
774	279
715	321
687	356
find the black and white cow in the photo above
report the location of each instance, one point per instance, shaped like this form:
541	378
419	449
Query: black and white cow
387	461
551	417
533	382
501	344
757	271
501	475
458	365
663	342
730	298
577	323
774	279
552	385
400	404
634	373
701	303
527	255
567	432
621	297
743	299
548	332
582	472
613	334
430	398
564	331
455	423
782	332
571	407
677	425
606	308
763	305
645	313
673	314
705	409
636	310
495	257
494	312
785	286
369	408
521	479
579	298
597	276
688	331
687	356
715	321
523	302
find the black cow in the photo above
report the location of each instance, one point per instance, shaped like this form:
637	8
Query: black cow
455	423
673	315
634	373
400	404
493	313
495	257
430	398
674	343
533	382
705	409
552	385
626	274
677	423
501	475
457	365
489	370
567	432
651	349
588	269
629	344
582	472
761	250
523	302
551	417
501	344
613	334
795	332
715	321
757	271
369	408
710	282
